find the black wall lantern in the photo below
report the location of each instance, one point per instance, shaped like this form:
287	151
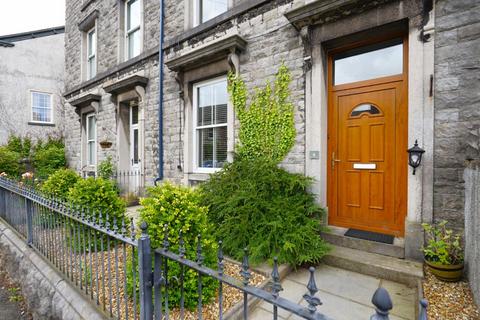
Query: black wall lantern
415	156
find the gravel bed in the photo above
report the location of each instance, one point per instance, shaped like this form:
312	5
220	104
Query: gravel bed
231	296
449	300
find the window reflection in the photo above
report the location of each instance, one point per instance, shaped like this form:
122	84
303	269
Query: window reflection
369	63
364	108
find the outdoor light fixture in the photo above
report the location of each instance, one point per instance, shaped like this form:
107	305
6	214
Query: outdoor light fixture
415	156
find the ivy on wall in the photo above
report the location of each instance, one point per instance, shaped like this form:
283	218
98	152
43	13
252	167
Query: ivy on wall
267	128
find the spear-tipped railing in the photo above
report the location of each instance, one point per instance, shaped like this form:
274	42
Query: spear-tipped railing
102	255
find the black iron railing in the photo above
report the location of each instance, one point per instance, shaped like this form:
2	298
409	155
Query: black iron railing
99	255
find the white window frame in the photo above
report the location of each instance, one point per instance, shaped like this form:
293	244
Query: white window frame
195	147
138	28
134	127
197	20
94	53
88	141
51	106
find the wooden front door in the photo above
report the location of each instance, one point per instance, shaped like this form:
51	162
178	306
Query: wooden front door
367	154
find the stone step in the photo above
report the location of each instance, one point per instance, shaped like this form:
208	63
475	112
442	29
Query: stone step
389	268
335	236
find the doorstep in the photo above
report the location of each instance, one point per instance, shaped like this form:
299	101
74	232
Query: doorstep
335	235
402	271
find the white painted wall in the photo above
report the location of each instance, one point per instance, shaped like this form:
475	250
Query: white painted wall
34	64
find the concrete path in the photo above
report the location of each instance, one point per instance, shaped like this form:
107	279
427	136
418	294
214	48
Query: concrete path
345	295
132	212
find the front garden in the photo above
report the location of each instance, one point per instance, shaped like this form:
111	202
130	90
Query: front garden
252	204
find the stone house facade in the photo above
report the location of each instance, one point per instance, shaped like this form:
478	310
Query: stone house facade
369	79
31	83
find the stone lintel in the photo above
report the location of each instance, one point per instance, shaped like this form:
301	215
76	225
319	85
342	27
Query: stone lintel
207	54
327	11
88	22
85	101
126	84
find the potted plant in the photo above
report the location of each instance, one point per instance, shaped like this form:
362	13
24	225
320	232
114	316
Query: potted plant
443	252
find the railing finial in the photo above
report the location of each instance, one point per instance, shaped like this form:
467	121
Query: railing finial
423	310
245	273
144	227
107	222
220	263
181	245
115	226
132	229
166	243
313	301
200	257
124	229
383	304
276	286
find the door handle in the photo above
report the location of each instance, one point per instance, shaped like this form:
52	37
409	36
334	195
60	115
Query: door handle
334	160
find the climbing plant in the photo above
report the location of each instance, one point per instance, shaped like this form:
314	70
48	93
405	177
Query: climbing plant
267	128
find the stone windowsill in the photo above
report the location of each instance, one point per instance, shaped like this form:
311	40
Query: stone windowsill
41	124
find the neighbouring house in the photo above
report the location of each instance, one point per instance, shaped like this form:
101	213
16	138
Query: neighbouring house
32	68
370	78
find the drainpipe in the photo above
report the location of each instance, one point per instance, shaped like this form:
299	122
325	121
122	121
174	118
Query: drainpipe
160	96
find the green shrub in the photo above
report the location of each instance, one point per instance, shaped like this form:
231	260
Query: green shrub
9	162
255	204
59	183
106	168
98	195
48	158
20	146
179	208
51	141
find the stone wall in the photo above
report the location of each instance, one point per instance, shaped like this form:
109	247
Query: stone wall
48	295
472	226
108	55
271	40
108	28
33	64
457	103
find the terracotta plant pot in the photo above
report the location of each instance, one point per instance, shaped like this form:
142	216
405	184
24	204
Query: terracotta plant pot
444	272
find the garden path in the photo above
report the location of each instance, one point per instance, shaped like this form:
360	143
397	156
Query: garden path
345	295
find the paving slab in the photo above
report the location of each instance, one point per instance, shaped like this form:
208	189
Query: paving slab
376	265
350	285
133	212
344	294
